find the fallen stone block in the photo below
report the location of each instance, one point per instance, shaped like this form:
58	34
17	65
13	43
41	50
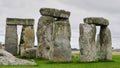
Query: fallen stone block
8	59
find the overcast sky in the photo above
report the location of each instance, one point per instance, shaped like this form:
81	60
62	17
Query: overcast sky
109	9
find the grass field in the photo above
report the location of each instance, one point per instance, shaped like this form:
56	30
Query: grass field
73	64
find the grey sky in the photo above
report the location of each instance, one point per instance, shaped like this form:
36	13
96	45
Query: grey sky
79	9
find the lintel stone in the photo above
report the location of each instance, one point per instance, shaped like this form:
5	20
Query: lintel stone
54	12
99	21
19	21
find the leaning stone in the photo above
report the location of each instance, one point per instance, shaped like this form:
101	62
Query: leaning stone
96	20
29	53
11	39
60	51
27	37
8	59
87	42
105	44
54	12
44	36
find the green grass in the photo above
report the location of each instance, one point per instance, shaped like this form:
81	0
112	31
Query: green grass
73	64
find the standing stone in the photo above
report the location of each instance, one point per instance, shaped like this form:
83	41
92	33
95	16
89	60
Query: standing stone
105	44
44	36
61	50
87	42
27	38
11	39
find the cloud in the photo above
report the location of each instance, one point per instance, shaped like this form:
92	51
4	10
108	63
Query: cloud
116	43
108	6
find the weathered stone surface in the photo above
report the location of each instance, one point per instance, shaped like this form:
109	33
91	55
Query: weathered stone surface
19	21
105	44
44	36
29	53
27	38
8	59
54	12
61	50
96	20
11	39
87	42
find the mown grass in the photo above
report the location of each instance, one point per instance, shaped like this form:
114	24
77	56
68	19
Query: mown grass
73	64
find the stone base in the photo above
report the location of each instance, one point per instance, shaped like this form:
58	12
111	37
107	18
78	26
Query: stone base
29	53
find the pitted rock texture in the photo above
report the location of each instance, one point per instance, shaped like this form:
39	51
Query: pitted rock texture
44	36
8	59
87	42
60	51
11	39
97	21
27	38
54	13
105	44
